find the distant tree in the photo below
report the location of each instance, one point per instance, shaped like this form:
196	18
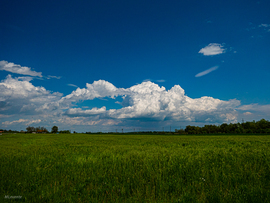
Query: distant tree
190	129
44	129
249	127
65	131
224	128
30	129
41	130
239	129
54	129
263	125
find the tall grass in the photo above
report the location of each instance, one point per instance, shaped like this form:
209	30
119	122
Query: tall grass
134	168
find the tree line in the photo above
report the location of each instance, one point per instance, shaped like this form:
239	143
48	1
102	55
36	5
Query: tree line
30	129
260	127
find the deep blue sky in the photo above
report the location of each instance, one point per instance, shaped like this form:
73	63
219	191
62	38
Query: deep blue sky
128	42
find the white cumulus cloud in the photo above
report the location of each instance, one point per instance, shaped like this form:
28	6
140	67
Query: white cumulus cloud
212	49
19	95
150	101
98	89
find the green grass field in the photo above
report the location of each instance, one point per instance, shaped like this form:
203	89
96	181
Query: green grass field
134	168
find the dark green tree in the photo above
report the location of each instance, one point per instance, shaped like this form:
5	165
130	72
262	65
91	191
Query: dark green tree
54	129
224	128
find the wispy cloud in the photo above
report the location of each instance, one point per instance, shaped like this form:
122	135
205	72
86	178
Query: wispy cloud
147	80
55	77
14	68
212	49
265	26
29	122
23	70
72	85
161	80
256	107
254	111
150	80
247	113
11	122
79	112
4	116
206	71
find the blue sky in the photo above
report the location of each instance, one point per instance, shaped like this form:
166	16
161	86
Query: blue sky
107	65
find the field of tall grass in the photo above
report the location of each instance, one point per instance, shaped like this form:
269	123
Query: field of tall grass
134	168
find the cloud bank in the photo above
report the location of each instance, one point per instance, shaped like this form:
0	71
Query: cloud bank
142	103
146	104
212	49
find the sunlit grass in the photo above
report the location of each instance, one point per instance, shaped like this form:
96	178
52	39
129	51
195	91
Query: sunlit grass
134	168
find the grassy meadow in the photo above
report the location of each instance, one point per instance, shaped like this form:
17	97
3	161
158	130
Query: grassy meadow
134	168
